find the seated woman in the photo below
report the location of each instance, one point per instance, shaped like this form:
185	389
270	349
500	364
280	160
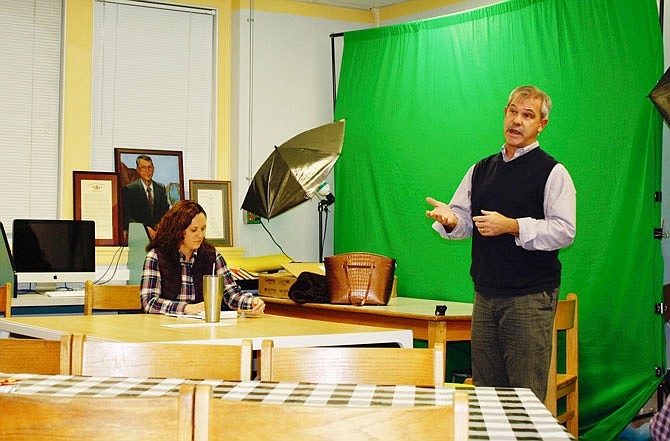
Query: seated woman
177	259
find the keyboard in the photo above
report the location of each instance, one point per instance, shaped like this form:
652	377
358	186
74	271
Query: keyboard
65	293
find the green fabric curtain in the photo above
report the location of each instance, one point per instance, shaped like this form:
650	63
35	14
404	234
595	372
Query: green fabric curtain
424	101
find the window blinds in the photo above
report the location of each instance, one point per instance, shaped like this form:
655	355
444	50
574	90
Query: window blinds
30	32
153	83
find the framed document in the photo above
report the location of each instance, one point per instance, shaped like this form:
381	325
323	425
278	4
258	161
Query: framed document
96	198
215	198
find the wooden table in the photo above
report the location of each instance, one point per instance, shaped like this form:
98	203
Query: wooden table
285	331
401	312
494	414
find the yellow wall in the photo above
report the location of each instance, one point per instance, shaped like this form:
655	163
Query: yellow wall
77	96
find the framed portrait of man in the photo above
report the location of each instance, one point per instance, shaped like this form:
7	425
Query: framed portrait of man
150	182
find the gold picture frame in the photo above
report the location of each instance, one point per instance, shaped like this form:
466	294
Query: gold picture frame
216	199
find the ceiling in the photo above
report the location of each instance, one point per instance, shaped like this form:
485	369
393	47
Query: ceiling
356	4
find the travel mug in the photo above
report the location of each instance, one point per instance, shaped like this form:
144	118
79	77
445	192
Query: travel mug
212	292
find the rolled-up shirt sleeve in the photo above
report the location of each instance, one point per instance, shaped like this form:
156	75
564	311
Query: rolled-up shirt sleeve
461	206
557	229
233	295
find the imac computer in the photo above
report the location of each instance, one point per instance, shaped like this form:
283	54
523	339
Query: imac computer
48	253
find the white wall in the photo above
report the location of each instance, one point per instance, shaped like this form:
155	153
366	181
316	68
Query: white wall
292	92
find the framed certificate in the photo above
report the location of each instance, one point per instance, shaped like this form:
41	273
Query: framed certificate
96	198
215	199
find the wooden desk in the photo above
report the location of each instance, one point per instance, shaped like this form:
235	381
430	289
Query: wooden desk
401	312
36	304
285	331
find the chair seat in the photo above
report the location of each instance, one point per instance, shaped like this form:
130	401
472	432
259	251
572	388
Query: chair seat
565	383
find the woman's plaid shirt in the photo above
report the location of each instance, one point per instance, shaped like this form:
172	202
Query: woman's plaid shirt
150	286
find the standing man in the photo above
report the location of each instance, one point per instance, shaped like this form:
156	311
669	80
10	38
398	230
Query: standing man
144	200
519	207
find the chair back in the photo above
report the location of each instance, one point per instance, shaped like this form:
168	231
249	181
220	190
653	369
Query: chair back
88	418
6	299
411	366
154	359
220	419
32	356
564	382
111	297
137	242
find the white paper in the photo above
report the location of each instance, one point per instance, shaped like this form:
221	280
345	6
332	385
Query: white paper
212	202
96	205
201	315
197	325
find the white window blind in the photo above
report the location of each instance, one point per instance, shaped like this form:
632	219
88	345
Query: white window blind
152	86
30	50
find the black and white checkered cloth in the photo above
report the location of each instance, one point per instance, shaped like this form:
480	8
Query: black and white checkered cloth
495	413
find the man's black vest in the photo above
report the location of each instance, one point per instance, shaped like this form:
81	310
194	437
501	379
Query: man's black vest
514	189
170	270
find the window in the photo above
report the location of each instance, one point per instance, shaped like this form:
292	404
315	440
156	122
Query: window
30	73
153	83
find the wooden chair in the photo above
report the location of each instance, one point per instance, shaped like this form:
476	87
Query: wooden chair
6	299
565	383
415	366
111	297
219	419
89	418
32	356
153	359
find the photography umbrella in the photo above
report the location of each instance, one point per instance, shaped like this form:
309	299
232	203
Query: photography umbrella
661	95
293	172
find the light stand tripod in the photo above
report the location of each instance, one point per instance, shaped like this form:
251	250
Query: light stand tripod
323	207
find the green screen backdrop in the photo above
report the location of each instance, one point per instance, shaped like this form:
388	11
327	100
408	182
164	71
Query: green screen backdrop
424	101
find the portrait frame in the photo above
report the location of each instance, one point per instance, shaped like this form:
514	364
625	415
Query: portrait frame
169	171
216	199
96	198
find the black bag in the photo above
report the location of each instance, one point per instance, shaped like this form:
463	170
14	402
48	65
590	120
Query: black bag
309	288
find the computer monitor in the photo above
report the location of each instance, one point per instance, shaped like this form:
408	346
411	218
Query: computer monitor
50	252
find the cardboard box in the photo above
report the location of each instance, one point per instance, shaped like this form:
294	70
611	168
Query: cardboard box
275	285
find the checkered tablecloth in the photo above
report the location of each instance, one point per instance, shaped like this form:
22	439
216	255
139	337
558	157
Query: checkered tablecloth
495	413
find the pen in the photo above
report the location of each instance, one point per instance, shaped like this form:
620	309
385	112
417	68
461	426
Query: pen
191	316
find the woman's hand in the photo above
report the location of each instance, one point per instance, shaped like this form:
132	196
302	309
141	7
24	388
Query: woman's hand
194	308
257	305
